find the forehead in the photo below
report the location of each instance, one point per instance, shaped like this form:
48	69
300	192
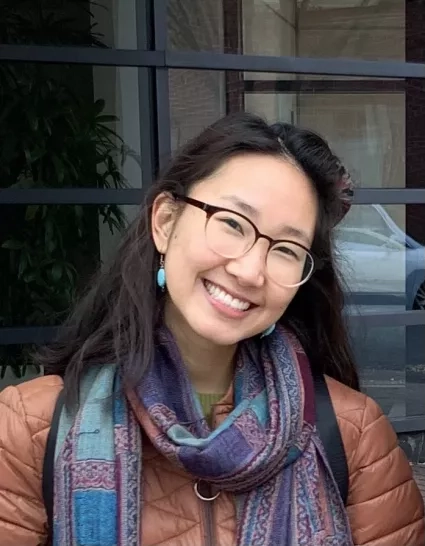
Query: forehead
277	189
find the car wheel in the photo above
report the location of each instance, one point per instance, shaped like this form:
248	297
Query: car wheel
419	303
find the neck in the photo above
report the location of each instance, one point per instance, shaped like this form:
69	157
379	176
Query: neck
210	366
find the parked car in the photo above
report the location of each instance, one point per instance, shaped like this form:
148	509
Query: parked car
384	270
379	261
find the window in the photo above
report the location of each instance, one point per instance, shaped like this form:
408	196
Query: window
109	23
165	74
376	29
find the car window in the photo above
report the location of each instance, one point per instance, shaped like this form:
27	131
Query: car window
366	237
367	216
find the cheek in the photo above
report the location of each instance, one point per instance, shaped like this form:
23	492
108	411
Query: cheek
189	255
279	299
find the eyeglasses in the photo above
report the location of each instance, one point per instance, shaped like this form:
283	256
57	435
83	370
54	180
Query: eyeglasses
232	235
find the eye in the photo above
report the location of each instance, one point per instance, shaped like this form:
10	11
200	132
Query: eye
232	223
288	251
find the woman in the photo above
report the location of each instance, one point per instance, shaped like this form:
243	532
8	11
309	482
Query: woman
187	371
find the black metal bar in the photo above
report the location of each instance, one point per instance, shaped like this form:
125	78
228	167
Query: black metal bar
98	196
146	82
389	319
233	43
207	60
325	86
408	424
81	55
145	38
42	334
37	335
356	300
294	65
389	196
160	24
147	126
71	196
163	114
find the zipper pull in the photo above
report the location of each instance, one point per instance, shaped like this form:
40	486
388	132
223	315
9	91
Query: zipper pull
203	491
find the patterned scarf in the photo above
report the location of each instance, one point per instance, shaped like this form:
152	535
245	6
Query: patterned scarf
266	452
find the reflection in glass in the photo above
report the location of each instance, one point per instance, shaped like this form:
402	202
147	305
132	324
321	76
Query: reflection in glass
352	29
48	253
415	370
197	99
363	120
100	23
364	123
381	264
195	25
69	126
17	364
367	130
391	362
372	30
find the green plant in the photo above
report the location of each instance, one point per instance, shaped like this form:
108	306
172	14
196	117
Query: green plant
53	134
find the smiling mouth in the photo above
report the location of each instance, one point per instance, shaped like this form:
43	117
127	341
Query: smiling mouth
223	297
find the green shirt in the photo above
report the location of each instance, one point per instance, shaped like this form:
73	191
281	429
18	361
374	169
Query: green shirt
207	402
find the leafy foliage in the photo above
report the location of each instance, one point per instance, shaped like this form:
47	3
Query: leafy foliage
53	134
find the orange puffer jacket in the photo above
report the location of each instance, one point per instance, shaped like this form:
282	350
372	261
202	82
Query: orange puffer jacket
384	504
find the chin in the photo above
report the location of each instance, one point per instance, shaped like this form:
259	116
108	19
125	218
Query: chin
217	335
221	334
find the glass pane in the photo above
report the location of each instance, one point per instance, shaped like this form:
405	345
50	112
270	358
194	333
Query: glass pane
372	30
16	365
375	126
197	99
391	363
196	25
101	23
69	126
365	121
381	263
354	29
48	254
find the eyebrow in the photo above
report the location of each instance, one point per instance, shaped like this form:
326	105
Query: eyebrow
242	205
248	209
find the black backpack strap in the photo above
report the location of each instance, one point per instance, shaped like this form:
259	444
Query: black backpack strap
49	463
330	435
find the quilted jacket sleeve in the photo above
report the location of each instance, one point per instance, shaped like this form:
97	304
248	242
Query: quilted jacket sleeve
385	506
22	515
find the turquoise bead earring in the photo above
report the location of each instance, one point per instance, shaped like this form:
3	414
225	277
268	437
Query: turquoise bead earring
160	276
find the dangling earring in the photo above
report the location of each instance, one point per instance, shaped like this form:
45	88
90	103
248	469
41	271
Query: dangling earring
269	330
160	276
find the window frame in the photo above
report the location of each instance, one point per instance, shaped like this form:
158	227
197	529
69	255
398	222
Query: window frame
154	61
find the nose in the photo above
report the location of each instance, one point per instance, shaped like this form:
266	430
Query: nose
250	269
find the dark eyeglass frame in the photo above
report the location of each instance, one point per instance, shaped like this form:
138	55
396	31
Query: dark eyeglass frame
210	210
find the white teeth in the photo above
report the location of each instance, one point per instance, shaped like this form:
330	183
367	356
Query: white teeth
223	297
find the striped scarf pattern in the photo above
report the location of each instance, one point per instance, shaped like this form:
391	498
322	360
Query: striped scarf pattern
274	462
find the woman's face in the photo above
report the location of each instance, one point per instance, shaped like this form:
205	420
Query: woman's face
226	300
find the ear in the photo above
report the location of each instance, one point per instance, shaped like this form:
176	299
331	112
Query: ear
163	217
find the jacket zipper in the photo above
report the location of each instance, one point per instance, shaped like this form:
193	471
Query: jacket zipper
208	513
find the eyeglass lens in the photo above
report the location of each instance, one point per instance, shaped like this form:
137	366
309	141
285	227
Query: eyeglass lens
231	236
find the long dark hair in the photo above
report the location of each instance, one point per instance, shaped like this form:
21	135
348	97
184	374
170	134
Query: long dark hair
115	320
